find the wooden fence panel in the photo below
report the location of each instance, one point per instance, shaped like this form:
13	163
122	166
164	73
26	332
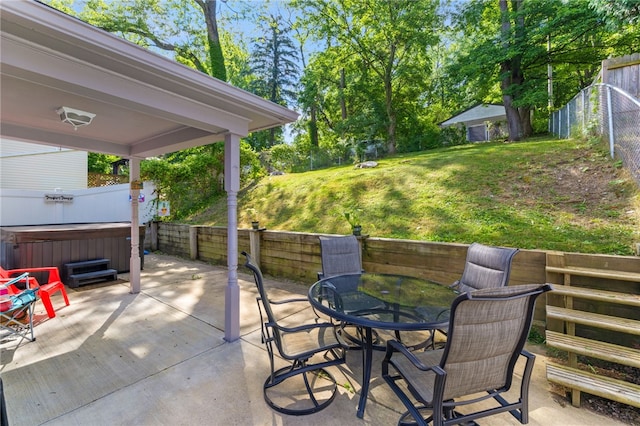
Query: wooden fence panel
623	72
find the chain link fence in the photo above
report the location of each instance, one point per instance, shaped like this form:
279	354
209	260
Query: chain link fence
607	111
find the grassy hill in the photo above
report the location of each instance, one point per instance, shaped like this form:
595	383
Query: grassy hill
540	194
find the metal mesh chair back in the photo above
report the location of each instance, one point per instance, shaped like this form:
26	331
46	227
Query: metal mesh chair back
340	255
486	267
487	331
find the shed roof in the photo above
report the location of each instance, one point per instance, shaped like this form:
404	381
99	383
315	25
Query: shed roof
477	114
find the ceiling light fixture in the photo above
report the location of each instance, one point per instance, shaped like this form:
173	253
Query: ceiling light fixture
75	117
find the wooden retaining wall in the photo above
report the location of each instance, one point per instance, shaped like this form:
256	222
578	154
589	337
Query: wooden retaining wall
296	256
587	286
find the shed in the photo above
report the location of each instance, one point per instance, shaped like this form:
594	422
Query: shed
483	122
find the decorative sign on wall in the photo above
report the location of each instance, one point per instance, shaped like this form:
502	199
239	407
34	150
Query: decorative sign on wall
164	209
140	198
58	198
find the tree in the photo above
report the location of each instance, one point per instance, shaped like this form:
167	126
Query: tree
385	41
509	45
274	64
100	163
617	12
512	32
187	28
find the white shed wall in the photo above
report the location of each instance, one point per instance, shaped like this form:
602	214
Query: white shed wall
94	205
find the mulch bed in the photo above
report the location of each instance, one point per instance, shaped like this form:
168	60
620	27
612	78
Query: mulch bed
612	409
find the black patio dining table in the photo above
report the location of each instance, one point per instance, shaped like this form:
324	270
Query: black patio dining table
382	302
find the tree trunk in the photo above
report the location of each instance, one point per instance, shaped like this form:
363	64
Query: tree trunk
313	127
343	104
216	57
511	71
513	117
525	120
391	113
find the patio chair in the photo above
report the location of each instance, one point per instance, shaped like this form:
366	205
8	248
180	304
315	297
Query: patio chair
341	256
53	284
308	349
485	267
487	332
16	307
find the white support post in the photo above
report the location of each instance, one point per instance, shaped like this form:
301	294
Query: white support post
232	186
134	190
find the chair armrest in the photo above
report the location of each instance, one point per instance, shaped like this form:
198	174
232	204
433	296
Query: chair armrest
302	327
282	302
53	273
10	283
394	346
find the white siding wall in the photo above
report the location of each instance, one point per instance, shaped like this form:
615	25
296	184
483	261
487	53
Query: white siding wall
94	205
40	167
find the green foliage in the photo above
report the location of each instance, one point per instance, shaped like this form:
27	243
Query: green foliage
453	135
217	60
352	217
494	193
185	29
100	163
192	178
419	135
536	336
283	157
265	139
374	64
482	54
617	13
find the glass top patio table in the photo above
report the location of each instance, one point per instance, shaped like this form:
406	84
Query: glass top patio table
382	301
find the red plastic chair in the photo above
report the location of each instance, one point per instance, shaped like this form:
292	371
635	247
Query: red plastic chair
53	284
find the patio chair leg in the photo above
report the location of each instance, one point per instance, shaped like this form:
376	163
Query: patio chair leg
45	293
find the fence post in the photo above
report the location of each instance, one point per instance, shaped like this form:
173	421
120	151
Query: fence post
610	117
584	111
254	244
193	242
560	124
569	120
153	235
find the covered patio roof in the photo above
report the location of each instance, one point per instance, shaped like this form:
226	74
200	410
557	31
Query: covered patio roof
145	104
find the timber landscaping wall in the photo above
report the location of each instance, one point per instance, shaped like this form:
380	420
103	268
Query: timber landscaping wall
296	256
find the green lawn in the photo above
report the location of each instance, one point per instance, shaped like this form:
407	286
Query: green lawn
540	194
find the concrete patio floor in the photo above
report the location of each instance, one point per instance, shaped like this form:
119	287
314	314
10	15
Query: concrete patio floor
158	357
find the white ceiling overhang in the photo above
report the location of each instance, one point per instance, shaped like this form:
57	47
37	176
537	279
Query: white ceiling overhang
145	103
